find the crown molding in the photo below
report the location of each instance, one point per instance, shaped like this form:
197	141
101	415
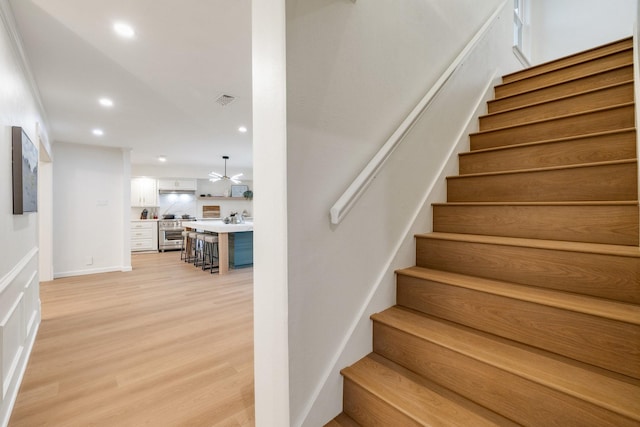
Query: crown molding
11	29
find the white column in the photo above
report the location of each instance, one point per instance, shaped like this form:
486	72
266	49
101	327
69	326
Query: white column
270	214
126	211
45	217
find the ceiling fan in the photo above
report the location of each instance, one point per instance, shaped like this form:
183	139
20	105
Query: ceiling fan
214	176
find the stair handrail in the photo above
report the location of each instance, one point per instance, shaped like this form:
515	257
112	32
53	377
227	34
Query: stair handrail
351	195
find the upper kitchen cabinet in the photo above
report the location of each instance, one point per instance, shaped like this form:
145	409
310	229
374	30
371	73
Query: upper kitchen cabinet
177	184
144	192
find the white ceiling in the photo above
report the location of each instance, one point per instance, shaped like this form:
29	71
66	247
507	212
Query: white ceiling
163	82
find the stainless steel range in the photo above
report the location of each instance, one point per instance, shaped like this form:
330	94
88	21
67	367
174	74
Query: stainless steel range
170	234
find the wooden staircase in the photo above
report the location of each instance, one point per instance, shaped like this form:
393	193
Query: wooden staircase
523	307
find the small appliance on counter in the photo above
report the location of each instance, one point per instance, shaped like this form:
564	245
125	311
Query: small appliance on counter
144	214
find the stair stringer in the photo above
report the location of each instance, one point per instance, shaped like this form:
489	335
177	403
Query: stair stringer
356	343
636	79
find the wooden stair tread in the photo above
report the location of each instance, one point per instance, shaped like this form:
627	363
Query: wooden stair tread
607	222
417	398
342	420
556	245
519	93
628	313
557	323
599	120
549	168
597	180
576	102
560	98
551	85
568	203
569	60
602	270
566	74
626	104
546	141
614	392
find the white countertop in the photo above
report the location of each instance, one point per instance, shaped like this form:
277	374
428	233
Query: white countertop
217	226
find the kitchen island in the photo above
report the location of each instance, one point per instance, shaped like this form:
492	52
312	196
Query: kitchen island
223	230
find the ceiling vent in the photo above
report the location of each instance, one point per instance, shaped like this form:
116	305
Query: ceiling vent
225	99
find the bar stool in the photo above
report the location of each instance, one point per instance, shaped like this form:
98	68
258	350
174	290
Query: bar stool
199	250
190	250
210	252
183	248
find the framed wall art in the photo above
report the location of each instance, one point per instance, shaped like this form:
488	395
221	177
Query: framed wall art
238	190
25	172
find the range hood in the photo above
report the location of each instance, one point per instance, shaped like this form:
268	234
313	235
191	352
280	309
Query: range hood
177	191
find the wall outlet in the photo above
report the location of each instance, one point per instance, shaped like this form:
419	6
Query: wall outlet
88	260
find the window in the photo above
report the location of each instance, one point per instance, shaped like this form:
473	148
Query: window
518	23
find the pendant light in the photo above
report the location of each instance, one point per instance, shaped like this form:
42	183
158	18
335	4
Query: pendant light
217	177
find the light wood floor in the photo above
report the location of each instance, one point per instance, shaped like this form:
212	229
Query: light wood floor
164	345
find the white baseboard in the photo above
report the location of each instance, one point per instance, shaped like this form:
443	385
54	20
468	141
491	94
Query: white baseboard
521	57
61	274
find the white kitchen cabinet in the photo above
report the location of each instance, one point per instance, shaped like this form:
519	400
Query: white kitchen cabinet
144	192
144	235
177	184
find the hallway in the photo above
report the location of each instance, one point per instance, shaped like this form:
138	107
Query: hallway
164	345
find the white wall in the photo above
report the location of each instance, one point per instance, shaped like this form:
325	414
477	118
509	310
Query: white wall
354	71
270	309
19	287
89	226
564	27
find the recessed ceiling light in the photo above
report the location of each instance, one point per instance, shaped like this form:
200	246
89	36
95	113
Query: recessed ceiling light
242	129
124	30
97	132
105	102
162	159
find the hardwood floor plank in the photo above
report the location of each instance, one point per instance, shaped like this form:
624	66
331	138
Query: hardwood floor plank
166	344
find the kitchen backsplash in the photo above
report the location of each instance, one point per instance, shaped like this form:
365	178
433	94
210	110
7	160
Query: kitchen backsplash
177	204
193	204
